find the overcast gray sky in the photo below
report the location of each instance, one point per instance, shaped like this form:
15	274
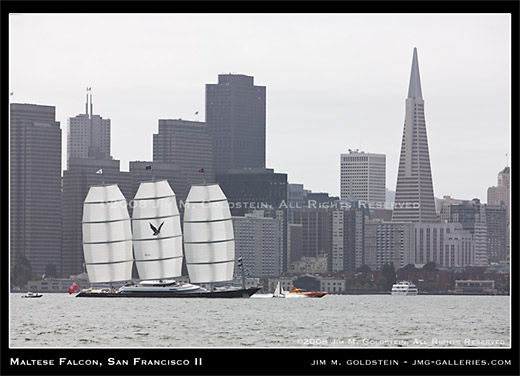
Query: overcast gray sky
334	82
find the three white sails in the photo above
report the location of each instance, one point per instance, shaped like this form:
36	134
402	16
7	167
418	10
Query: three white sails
107	235
209	243
157	231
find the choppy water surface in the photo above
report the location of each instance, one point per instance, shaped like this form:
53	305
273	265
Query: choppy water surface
60	320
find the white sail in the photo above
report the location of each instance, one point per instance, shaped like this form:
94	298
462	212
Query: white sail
107	235
278	289
157	231
209	243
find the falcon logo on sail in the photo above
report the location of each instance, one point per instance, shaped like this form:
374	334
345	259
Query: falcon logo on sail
156	231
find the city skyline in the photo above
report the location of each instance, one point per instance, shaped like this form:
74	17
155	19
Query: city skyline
338	83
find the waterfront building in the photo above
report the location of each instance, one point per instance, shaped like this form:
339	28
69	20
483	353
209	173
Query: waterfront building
347	253
363	178
88	135
236	118
389	242
333	285
414	199
35	185
475	287
259	241
310	283
56	285
188	145
82	173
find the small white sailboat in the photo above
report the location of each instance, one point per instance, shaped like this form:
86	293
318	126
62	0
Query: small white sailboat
278	291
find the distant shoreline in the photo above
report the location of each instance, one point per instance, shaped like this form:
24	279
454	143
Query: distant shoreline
420	293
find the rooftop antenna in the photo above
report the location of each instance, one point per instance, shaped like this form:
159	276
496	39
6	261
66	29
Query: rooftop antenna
86	103
91	105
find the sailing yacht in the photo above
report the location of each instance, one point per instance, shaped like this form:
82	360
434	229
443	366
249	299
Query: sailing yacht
157	243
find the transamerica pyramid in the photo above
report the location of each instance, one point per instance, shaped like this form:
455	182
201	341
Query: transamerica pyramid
414	200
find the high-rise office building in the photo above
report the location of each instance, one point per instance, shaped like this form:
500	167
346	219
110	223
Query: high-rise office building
502	193
316	231
497	232
88	135
414	200
319	200
363	177
235	114
248	189
294	242
472	216
259	241
389	242
446	244
188	145
348	228
35	186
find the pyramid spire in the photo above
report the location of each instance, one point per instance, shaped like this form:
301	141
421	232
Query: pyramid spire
414	199
414	91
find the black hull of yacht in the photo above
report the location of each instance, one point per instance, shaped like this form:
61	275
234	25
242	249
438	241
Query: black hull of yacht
224	294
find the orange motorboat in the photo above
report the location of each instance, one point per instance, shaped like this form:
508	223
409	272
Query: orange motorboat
295	292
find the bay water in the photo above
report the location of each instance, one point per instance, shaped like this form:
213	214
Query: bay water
61	320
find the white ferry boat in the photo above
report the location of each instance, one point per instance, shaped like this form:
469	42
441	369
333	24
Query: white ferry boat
404	288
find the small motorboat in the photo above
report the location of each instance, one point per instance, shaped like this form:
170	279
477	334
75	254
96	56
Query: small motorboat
32	295
300	293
